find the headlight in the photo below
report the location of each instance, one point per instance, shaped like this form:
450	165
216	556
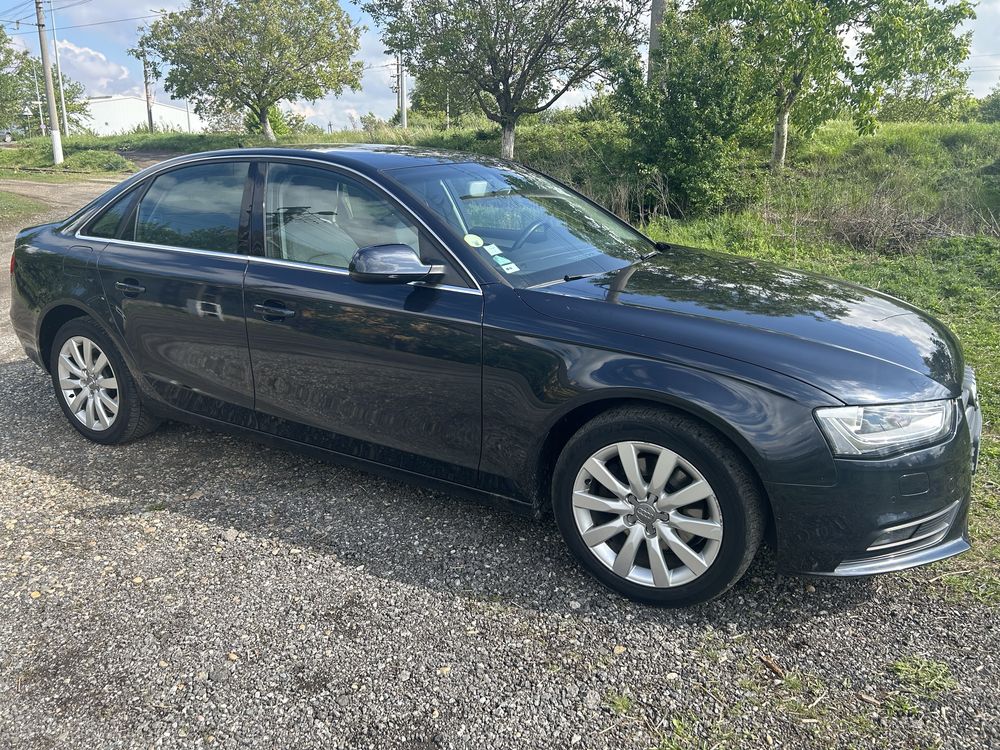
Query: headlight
885	429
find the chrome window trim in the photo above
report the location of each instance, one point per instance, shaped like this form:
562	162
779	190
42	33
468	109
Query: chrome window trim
153	246
298	264
345	272
267	261
154	173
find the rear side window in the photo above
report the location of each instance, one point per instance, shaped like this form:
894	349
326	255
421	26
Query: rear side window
108	223
195	207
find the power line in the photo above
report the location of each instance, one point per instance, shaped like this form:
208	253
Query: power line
94	23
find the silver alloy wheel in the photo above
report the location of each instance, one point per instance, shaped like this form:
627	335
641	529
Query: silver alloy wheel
647	514
87	382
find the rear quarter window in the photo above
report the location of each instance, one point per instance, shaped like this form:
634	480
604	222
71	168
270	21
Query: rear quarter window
108	224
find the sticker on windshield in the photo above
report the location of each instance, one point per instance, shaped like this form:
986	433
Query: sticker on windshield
500	260
473	240
492	249
510	268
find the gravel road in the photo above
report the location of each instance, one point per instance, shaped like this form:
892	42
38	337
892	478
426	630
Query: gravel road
198	590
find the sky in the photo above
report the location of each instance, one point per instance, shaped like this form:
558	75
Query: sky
95	34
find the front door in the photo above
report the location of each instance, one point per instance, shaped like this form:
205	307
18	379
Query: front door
384	372
173	275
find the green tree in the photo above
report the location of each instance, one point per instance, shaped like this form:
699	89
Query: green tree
19	73
512	57
687	122
926	98
434	95
12	63
252	54
989	106
817	56
282	123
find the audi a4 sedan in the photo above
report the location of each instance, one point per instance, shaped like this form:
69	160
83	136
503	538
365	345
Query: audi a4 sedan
473	325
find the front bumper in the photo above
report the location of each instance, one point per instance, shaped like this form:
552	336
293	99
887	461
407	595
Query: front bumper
883	515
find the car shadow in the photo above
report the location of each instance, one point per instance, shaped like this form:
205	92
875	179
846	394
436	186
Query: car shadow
396	531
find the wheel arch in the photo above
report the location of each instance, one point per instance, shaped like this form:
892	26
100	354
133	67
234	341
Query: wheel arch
51	321
572	419
57	314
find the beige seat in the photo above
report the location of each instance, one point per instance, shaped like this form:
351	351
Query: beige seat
302	222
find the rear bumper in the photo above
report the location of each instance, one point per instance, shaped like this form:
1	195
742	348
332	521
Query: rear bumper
883	515
23	322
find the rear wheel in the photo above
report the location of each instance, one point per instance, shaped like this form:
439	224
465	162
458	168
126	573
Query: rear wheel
657	506
94	387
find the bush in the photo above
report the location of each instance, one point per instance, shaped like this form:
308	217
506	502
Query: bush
688	124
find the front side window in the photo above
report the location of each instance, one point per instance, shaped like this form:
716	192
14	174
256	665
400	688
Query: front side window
318	216
196	207
532	229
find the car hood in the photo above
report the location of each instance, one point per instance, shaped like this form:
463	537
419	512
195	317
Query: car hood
854	343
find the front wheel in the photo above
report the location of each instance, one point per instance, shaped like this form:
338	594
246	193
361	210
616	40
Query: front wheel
657	506
94	387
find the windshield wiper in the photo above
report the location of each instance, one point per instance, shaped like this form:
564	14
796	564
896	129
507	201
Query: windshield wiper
577	276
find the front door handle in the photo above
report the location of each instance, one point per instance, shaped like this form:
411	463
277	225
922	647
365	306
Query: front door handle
273	311
130	287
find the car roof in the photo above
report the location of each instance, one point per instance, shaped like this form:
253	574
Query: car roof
364	157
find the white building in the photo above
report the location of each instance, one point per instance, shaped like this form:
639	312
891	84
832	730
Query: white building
118	114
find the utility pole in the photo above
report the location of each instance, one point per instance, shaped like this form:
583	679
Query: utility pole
38	101
149	96
655	21
57	153
55	45
447	109
401	73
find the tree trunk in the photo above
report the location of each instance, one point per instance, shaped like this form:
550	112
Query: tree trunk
780	138
655	20
507	139
263	114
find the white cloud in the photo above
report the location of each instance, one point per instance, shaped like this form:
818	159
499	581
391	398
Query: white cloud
94	70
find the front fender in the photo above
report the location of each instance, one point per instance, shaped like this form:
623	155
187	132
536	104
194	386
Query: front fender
521	405
534	381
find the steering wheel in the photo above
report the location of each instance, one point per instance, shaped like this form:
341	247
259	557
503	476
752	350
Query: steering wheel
532	228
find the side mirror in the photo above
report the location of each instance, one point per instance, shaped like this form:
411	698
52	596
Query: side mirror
390	264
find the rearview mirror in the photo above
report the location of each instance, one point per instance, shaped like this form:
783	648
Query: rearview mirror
390	264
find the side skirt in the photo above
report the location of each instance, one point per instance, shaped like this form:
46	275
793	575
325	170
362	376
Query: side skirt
481	497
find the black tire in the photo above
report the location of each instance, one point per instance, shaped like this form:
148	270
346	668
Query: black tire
732	480
133	419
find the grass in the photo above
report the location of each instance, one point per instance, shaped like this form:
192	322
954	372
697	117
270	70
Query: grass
35	154
619	704
15	207
924	678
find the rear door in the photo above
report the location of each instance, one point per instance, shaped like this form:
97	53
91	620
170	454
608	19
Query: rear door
385	372
173	275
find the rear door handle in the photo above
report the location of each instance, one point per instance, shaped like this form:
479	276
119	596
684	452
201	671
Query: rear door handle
129	287
273	311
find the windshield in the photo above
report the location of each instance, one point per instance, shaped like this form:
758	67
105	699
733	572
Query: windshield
532	229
